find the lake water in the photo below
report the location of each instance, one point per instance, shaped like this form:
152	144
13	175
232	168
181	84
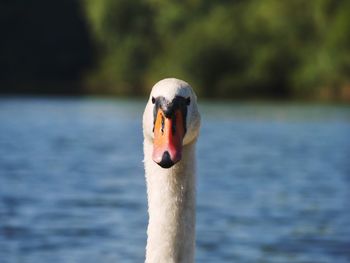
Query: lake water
273	182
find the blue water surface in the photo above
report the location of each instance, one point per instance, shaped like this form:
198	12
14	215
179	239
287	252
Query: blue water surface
273	182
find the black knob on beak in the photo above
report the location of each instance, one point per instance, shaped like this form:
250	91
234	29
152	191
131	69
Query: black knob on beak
166	161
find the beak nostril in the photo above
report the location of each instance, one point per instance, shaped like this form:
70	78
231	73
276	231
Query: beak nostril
163	123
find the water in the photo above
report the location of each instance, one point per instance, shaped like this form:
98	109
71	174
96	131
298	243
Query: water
273	182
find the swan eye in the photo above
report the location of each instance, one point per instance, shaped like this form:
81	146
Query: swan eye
188	101
153	100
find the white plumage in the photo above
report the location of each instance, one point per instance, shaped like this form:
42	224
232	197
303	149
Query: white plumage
171	192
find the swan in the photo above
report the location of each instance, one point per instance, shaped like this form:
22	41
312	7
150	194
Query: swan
171	123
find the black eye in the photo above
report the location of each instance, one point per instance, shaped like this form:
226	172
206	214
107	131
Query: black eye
188	101
153	100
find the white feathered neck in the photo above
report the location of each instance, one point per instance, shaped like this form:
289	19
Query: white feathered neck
171	192
171	208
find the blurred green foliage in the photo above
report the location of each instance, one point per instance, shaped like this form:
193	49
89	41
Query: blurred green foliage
223	48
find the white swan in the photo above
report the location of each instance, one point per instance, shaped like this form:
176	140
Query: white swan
171	124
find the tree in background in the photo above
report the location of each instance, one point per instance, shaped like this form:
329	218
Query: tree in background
251	48
124	34
224	48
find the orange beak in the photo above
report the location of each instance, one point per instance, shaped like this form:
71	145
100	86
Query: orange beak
168	136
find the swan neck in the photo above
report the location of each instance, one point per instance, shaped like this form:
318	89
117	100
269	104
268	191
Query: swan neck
171	208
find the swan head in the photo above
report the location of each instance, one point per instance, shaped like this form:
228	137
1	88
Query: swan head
171	120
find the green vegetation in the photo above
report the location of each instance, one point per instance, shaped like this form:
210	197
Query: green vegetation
223	48
237	49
